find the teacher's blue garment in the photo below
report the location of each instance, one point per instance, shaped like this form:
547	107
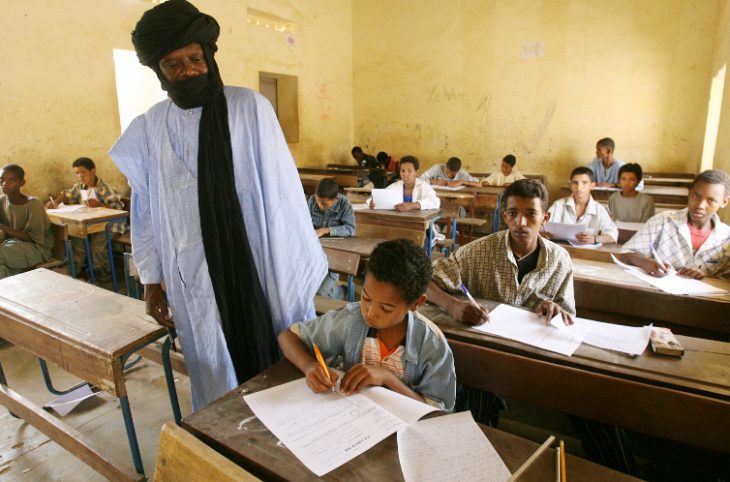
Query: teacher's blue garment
159	155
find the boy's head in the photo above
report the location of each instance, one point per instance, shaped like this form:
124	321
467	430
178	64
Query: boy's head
524	210
581	182
383	158
85	170
12	178
605	148
629	176
357	153
396	279
508	162
710	192
326	193
409	169
453	165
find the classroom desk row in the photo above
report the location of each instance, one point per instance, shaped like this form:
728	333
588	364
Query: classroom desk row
663	195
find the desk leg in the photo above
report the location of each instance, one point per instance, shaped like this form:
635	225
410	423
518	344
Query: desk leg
4	382
429	239
171	390
107	232
131	434
49	383
89	262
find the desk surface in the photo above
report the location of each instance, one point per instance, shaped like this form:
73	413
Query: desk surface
229	426
87	215
661	194
424	216
358	245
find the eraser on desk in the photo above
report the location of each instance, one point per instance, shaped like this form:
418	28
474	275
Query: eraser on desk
663	342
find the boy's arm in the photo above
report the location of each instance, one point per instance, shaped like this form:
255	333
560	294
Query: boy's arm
295	351
461	310
15	233
361	376
347	228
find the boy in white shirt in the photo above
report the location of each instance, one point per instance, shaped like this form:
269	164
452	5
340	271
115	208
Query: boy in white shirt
417	194
450	174
507	173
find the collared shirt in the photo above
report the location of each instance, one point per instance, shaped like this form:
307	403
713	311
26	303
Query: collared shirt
595	216
105	194
423	193
340	218
487	267
637	209
499	179
601	174
669	233
438	171
428	364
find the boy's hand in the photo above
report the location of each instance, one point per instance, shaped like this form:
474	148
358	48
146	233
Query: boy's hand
322	232
694	273
93	203
586	237
317	379
439	182
550	309
156	304
372	204
360	376
653	268
466	312
403	207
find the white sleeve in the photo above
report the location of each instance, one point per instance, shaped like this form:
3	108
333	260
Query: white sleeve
428	198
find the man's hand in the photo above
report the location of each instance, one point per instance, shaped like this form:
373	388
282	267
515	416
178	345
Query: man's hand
550	309
466	312
156	303
694	273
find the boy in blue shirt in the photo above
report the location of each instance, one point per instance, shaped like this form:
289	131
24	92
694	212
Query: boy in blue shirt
381	339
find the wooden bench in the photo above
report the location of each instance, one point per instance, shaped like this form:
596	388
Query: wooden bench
468	224
61	251
344	262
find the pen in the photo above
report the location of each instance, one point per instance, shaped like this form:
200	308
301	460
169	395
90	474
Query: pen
320	360
468	295
52	201
657	258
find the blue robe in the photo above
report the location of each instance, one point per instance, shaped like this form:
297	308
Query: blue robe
165	222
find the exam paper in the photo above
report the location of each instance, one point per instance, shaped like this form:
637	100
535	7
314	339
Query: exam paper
527	327
65	403
626	339
566	231
672	283
387	198
449	188
449	448
67	208
576	244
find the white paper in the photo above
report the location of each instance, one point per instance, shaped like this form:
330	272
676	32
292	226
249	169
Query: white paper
449	188
529	328
323	430
66	208
626	339
405	408
566	231
360	207
449	448
65	403
387	198
576	244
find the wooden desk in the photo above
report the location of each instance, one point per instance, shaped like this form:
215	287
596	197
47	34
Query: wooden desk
88	221
668	181
392	221
662	195
87	331
600	254
686	400
603	291
355	244
229	426
484	200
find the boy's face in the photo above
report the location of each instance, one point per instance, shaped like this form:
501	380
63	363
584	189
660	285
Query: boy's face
408	173
505	168
581	185
602	152
524	217
705	200
628	181
85	176
382	304
325	203
10	182
449	173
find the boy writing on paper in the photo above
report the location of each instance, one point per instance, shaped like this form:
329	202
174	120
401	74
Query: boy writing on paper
581	208
417	194
332	215
450	174
693	240
26	238
507	173
380	339
628	204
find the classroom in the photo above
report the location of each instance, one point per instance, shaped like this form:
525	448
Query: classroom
542	80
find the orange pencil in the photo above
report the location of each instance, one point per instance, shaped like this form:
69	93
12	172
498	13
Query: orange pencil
320	360
563	473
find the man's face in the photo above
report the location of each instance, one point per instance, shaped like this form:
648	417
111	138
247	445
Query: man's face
10	182
325	203
602	152
705	200
524	217
184	63
628	181
505	168
449	173
581	185
85	176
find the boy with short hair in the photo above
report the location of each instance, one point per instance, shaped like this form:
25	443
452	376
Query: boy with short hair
376	172
417	194
628	204
693	240
580	208
450	174
24	224
507	173
604	166
380	339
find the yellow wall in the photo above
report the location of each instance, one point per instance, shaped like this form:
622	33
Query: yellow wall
722	58
437	79
57	87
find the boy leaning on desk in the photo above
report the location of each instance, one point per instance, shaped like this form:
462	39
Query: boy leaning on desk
380	340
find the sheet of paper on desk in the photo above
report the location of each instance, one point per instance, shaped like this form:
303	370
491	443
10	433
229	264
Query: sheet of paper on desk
449	188
449	448
324	430
387	198
576	244
67	208
566	231
626	339
527	327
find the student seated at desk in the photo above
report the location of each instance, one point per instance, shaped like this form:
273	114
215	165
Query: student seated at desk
26	238
450	174
94	192
417	194
380	339
332	215
376	170
604	166
693	240
628	204
507	173
580	208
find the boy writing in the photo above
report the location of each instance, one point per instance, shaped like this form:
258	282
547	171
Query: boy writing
381	340
450	174
507	173
417	194
580	208
692	241
629	205
24	225
604	166
332	215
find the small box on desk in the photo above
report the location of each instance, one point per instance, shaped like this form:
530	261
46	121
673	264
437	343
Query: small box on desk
663	342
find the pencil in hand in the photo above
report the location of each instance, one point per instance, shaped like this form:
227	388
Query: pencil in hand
320	360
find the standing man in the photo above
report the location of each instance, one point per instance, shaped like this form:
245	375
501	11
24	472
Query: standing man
218	211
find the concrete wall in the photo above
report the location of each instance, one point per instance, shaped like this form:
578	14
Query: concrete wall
722	59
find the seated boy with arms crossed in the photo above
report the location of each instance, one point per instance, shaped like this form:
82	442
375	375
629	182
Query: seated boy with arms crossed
507	173
628	204
381	339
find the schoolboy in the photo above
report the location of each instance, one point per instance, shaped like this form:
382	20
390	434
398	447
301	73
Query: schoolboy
580	208
693	240
604	166
24	225
507	173
380	339
628	204
332	215
376	172
417	194
450	174
94	192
